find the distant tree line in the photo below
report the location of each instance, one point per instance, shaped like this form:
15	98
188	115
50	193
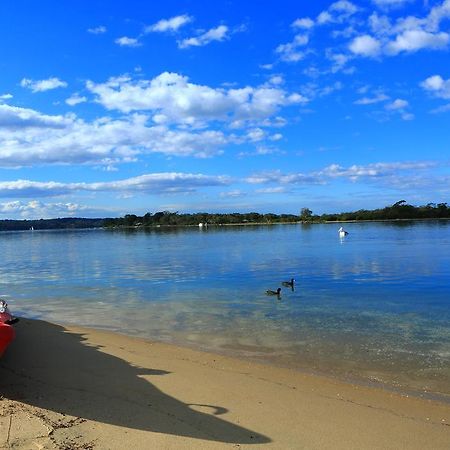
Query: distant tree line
164	218
398	211
50	224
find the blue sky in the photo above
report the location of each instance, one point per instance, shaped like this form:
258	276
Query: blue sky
109	108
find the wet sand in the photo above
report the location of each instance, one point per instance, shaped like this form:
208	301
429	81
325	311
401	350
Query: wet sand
75	388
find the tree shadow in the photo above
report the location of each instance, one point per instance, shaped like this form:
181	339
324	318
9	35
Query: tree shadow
51	368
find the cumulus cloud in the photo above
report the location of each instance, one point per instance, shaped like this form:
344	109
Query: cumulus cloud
169	25
291	52
13	119
397	104
166	115
305	23
125	41
414	40
173	99
153	183
219	33
338	12
365	45
75	99
404	35
400	106
43	85
29	138
437	85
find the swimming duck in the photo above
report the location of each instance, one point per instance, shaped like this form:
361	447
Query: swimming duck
342	232
288	283
277	292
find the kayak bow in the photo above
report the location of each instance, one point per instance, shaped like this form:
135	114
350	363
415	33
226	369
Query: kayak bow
7	332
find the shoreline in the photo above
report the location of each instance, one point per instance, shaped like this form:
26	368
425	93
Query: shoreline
74	387
378	379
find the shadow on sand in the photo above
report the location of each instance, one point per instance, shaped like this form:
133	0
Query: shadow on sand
53	369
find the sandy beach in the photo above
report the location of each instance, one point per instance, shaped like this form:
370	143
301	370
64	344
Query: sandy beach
75	388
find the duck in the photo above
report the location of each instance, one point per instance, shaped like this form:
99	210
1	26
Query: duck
342	232
288	283
277	292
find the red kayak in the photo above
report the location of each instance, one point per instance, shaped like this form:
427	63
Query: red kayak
7	332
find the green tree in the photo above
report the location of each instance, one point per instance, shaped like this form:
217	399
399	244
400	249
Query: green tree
305	215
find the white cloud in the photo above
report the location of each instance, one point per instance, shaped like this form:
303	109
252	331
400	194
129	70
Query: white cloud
75	99
407	116
266	66
4	97
14	118
169	25
437	85
233	194
377	98
375	171
397	104
338	12
305	23
153	183
276	80
125	41
38	209
276	137
344	7
324	17
256	134
339	61
400	106
365	45
388	4
437	15
173	99
97	30
404	35
414	40
290	52
43	85
219	33
29	138
271	190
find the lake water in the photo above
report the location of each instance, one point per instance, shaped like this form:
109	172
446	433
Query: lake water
372	306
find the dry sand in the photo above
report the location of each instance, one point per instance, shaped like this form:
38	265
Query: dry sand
74	388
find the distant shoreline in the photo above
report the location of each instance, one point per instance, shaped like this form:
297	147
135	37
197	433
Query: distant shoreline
68	224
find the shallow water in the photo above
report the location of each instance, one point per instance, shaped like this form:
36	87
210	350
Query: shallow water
372	306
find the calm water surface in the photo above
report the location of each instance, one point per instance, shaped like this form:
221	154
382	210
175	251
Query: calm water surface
373	306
